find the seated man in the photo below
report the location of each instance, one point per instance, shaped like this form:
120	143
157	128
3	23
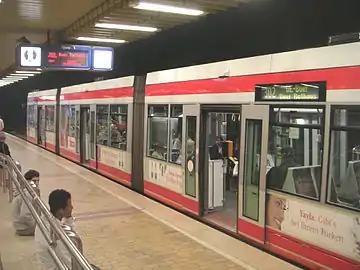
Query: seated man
23	221
61	208
4	148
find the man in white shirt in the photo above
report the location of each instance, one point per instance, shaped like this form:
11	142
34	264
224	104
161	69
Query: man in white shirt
23	221
2	126
61	208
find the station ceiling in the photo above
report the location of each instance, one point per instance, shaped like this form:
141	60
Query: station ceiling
100	22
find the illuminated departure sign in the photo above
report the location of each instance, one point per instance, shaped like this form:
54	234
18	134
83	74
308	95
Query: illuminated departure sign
68	58
49	57
310	91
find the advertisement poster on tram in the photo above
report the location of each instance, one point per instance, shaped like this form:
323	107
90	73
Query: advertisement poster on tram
330	229
50	137
165	175
72	144
111	157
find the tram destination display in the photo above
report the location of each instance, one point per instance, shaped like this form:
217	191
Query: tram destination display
312	91
68	58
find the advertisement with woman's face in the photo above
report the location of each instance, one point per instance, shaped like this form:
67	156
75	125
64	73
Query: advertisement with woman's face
275	211
328	228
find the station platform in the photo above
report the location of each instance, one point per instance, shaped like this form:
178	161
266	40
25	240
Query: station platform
121	229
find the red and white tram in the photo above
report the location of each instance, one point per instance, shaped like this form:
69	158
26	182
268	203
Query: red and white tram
95	126
266	148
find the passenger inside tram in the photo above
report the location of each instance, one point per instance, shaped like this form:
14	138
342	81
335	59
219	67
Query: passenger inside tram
176	147
157	152
216	151
275	178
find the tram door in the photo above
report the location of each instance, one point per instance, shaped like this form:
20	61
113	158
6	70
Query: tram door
77	129
41	125
85	130
252	171
190	149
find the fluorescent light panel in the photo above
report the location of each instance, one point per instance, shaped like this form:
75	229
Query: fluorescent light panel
22	75
12	79
168	9
126	27
27	72
17	77
105	40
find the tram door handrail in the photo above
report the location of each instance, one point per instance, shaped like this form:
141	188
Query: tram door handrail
13	180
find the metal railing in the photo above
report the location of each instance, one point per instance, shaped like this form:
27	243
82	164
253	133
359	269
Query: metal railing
12	179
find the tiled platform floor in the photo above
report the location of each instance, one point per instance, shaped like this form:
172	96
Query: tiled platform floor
124	230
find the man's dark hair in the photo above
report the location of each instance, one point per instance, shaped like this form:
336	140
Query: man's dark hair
58	199
31	174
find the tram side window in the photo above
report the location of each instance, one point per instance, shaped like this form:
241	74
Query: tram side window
344	157
294	162
175	136
102	122
118	126
71	122
158	131
50	118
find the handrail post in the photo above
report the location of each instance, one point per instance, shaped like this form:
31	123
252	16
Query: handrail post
74	237
5	173
1	173
10	189
1	265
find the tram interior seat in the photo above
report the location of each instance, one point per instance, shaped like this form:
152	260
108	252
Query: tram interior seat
303	180
349	190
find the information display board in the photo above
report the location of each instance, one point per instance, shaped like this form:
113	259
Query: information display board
69	57
309	91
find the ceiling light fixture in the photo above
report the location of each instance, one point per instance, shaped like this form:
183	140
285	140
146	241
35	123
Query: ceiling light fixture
4	82
168	9
126	27
22	75
105	40
27	72
17	76
12	79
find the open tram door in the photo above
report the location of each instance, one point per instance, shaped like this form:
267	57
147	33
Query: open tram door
252	171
